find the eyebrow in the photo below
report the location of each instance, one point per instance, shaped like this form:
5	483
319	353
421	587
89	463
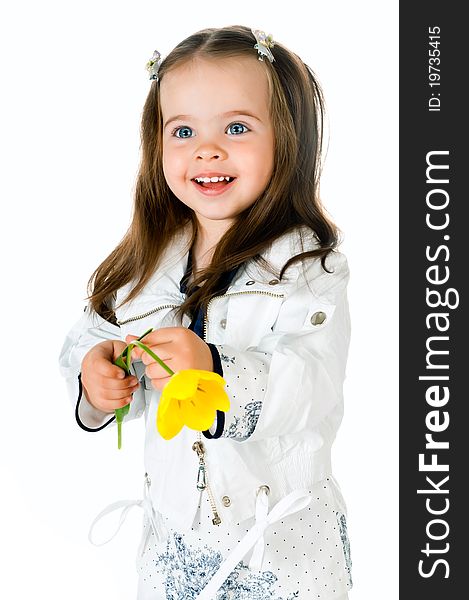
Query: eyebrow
231	113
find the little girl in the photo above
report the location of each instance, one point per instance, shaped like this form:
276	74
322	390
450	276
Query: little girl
232	262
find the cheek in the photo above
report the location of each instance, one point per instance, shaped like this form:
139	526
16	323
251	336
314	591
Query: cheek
260	158
262	164
174	163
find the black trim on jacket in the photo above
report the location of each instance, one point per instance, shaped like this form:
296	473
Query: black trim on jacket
77	416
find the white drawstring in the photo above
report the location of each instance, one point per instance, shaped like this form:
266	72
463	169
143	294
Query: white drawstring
262	510
126	505
294	502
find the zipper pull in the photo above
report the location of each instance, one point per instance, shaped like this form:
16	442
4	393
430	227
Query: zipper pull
201	476
216	519
199	448
201	481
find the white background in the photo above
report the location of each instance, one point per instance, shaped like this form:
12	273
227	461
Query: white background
74	83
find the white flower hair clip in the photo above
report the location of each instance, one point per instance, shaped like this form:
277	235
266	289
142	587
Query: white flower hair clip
264	44
153	65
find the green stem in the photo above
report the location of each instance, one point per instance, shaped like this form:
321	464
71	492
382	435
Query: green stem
125	357
119	435
153	355
124	361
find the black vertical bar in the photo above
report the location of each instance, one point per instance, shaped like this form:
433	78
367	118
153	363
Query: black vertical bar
434	258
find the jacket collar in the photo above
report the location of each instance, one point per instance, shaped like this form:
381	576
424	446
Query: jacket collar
174	261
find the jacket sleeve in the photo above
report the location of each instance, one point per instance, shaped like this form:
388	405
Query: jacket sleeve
293	379
89	330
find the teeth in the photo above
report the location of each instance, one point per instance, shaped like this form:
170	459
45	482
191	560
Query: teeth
212	179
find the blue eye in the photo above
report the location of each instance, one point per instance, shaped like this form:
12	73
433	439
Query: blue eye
237	128
182	132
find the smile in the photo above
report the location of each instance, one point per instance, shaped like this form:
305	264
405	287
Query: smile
213	186
213	179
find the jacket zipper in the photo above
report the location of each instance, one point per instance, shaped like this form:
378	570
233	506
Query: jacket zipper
202	478
202	475
147	314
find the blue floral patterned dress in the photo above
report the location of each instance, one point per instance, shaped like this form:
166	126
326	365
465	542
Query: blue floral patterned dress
307	556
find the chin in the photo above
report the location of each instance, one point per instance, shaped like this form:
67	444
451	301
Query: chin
217	216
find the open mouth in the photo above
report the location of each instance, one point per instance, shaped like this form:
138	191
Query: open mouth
212	186
213	182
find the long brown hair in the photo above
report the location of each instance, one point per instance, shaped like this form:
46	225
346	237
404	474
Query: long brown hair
290	199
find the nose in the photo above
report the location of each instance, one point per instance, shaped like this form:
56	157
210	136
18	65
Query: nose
209	150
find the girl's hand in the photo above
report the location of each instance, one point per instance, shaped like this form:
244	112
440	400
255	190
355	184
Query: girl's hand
105	384
178	347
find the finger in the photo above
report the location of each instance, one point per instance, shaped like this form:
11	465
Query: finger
164	354
111	405
107	369
155	371
117	395
110	383
97	382
121	403
136	352
163	335
159	384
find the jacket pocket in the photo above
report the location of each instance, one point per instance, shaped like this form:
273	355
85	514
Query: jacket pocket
249	318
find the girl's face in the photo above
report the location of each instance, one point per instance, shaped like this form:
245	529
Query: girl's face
216	124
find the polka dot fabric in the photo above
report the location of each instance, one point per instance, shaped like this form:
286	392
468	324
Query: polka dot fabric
306	556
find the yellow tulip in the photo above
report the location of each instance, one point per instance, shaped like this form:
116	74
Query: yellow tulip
191	397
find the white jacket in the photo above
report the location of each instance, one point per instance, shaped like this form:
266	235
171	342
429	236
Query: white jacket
283	347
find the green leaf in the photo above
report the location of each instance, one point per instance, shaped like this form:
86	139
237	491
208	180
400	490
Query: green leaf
121	362
120	414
